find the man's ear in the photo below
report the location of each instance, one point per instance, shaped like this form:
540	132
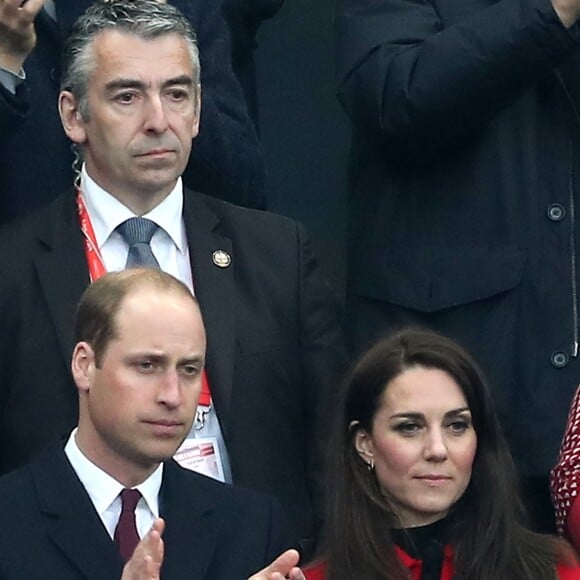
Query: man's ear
71	117
363	442
83	365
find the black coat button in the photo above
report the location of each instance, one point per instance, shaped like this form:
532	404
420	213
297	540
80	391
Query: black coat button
556	212
559	359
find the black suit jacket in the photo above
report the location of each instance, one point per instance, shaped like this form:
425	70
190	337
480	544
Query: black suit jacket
51	530
274	343
35	155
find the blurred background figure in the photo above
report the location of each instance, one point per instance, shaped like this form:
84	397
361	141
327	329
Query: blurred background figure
244	18
565	480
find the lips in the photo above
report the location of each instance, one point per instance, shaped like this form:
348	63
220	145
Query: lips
434	480
165	422
165	427
155	153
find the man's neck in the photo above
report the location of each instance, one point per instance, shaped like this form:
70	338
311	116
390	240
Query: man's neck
126	472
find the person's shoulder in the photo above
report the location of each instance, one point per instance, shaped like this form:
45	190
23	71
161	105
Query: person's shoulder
235	219
222	493
568	571
12	480
51	456
38	220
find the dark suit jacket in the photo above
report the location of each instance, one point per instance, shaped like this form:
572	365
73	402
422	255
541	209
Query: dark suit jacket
51	530
35	155
273	339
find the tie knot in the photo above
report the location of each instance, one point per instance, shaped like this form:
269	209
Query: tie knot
137	230
129	499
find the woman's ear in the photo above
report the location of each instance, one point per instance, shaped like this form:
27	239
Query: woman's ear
362	442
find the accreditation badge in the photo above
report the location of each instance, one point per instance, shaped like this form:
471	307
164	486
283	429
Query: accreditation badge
201	455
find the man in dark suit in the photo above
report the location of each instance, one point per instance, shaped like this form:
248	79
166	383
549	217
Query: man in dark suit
274	343
35	156
138	369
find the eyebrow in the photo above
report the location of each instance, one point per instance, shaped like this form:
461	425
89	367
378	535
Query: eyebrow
193	360
128	83
162	358
411	415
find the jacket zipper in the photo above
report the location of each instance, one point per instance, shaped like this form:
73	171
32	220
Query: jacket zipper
572	205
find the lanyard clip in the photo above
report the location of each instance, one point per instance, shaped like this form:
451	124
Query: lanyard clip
200	414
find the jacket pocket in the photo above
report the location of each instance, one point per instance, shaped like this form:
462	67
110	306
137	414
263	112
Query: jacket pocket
438	277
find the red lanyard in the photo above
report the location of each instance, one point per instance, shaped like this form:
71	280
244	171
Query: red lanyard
94	259
97	269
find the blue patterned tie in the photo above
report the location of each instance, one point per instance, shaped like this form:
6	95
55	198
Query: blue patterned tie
137	232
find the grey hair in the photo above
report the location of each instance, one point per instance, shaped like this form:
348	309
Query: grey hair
147	19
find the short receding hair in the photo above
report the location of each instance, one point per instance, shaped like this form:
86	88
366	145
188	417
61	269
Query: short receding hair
96	319
146	19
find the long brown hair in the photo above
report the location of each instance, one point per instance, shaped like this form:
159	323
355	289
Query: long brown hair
490	540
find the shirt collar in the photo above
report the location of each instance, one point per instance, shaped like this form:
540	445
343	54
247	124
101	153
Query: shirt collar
50	8
104	489
107	212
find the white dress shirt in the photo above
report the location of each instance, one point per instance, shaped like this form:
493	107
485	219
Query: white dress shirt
50	8
169	242
104	491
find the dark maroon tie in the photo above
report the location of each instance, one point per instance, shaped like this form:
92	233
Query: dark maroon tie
126	536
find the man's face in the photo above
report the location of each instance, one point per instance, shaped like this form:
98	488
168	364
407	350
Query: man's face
137	407
143	114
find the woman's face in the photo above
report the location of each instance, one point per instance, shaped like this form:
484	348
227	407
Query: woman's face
422	444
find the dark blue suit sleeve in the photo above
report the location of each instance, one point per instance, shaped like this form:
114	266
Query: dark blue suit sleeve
414	73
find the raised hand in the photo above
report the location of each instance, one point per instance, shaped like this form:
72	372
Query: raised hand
145	563
17	33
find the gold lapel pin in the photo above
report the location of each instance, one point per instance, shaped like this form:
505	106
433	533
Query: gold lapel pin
221	258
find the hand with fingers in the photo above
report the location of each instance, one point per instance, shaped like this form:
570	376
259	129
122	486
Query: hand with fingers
146	561
283	567
17	33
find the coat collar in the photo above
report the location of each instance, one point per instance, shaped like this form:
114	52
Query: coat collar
72	523
215	290
189	507
61	267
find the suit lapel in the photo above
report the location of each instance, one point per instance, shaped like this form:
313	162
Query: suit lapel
215	289
72	522
62	269
191	531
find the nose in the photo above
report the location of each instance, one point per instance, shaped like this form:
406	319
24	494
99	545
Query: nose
435	445
169	393
155	115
